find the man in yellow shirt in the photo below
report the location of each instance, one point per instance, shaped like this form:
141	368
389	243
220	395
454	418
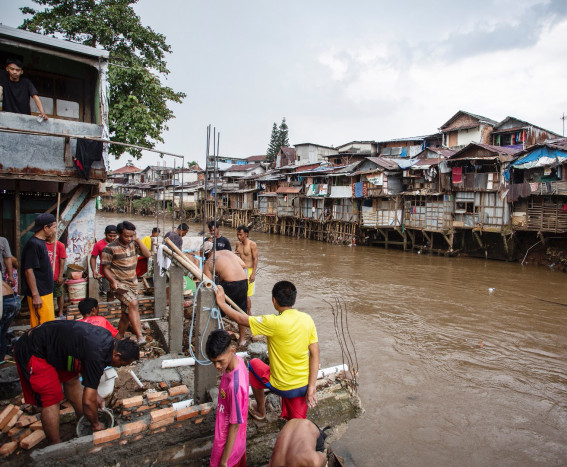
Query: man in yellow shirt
293	349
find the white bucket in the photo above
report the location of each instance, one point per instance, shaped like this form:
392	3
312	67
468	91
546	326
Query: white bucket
77	289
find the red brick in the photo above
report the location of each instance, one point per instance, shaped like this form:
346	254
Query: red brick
134	428
187	412
30	441
143	408
199	420
138	438
107	435
157	415
36	426
95	450
178	390
27	420
164	422
156	396
123	442
132	401
23	433
7	415
70	317
206	408
12	421
163	385
8	448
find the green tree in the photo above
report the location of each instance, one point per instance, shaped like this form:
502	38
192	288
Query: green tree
274	146
283	133
138	112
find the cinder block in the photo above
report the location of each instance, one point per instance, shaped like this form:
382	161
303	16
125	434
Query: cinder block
157	415
156	396
134	428
30	441
132	401
178	391
8	448
186	412
105	436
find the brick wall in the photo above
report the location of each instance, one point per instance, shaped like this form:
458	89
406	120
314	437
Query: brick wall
112	310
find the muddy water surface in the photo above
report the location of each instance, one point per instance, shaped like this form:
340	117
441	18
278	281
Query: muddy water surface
450	374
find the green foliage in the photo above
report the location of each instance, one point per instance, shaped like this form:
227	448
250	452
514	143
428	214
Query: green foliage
138	111
144	204
283	132
119	201
273	147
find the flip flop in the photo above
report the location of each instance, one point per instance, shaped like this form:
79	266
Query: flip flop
253	412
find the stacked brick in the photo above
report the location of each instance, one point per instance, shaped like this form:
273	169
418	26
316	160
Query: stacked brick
23	430
137	406
112	310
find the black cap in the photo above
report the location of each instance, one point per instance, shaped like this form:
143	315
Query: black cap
42	220
110	228
14	61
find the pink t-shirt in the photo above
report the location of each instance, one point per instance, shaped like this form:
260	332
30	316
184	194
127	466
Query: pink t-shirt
61	254
97	250
102	322
232	409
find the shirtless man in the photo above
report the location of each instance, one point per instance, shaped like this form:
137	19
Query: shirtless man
230	270
248	252
300	443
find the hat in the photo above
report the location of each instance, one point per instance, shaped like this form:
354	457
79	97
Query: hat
110	228
207	247
42	220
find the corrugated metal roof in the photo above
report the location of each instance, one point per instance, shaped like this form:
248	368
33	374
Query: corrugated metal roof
51	42
480	118
126	169
288	189
495	150
388	164
240	167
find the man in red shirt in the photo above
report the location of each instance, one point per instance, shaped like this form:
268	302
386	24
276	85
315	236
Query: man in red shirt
110	234
58	265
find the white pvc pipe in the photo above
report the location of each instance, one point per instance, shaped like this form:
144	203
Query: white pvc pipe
188	361
333	369
135	378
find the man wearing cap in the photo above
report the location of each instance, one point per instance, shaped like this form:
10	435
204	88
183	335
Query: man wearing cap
16	91
110	234
230	270
37	283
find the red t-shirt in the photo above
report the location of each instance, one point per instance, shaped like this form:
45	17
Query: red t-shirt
102	322
61	254
97	251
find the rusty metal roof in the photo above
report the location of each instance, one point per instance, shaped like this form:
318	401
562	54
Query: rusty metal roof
288	189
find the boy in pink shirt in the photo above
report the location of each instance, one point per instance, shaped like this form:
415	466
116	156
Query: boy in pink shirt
89	309
229	446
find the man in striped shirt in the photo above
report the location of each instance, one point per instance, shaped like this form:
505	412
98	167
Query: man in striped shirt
119	259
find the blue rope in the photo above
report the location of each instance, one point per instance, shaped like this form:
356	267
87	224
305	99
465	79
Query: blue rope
214	314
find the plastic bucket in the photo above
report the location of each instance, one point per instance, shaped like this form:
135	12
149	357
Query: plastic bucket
77	289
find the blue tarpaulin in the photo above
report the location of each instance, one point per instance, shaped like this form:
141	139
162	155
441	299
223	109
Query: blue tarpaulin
358	189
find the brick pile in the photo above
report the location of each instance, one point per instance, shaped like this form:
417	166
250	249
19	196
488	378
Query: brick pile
112	310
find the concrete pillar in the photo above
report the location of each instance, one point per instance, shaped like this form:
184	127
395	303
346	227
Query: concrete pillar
205	375
159	291
176	280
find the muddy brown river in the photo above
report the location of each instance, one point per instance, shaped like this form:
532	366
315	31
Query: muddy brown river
450	372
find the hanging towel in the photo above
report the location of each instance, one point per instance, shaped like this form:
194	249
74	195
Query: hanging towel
457	175
163	261
87	153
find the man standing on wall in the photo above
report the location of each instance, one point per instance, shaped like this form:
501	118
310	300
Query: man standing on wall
119	259
37	282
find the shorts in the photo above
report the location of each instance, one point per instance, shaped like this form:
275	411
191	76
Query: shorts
250	284
141	266
237	291
130	295
46	312
294	404
57	290
41	382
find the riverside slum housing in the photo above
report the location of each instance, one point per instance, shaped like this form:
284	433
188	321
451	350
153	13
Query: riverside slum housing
39	170
449	192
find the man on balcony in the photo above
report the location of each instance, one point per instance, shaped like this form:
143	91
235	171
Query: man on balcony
16	91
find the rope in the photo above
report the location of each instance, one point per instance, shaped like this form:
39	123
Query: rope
214	314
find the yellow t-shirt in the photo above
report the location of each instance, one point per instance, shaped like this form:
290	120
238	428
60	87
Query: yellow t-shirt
289	336
147	241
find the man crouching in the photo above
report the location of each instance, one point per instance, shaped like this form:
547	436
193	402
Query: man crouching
55	353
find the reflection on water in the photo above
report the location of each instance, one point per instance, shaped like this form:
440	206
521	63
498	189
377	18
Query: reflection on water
449	372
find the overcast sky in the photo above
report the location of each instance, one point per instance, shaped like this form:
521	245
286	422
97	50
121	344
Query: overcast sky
361	70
